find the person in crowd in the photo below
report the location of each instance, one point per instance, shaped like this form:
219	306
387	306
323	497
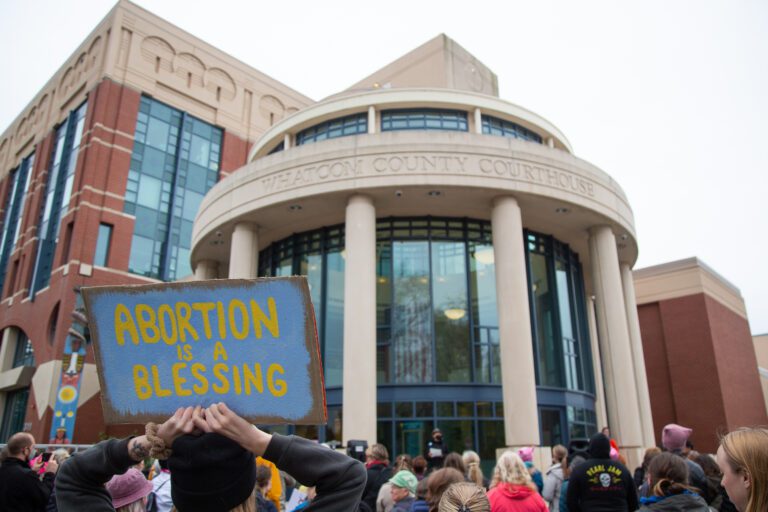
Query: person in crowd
715	495
21	488
474	471
526	454
606	431
642	470
438	482
686	450
436	450
743	461
419	467
669	487
464	497
211	455
515	491
59	455
384	501
420	504
275	491
263	486
129	491
673	439
378	472
161	488
573	461
454	460
403	490
601	484
553	480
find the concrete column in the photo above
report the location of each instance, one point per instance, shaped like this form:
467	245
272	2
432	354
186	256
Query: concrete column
286	141
372	127
615	348
518	377
597	366
478	121
359	378
244	256
205	269
641	380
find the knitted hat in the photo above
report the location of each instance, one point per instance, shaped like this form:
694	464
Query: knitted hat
406	480
673	437
526	453
210	473
129	487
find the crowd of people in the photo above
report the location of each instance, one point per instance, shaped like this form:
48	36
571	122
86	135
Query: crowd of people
213	460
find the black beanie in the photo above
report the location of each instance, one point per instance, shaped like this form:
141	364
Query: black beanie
210	473
599	447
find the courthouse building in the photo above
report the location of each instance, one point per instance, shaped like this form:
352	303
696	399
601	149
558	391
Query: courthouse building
468	270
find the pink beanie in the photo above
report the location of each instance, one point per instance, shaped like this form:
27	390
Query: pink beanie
614	453
673	437
526	453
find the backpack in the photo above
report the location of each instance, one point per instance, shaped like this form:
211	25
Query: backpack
152	498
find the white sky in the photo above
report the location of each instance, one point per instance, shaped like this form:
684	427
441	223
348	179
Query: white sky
668	97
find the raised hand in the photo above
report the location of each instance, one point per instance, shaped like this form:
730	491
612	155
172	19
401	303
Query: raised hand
222	420
179	424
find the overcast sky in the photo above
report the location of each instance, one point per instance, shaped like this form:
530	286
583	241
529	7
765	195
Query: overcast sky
668	97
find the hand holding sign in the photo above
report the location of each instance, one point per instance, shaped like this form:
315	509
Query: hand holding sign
222	420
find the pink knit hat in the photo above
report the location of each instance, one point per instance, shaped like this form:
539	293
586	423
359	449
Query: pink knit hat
129	487
526	453
673	437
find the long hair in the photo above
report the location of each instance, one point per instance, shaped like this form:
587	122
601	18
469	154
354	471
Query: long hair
746	452
511	469
249	505
464	497
438	482
669	475
139	505
454	460
474	471
403	462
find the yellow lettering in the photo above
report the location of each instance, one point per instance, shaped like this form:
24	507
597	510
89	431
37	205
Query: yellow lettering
147	323
159	391
187	352
197	372
222	320
239	334
236	378
124	322
218	350
178	380
282	386
205	308
250	378
183	313
165	316
259	318
218	369
141	382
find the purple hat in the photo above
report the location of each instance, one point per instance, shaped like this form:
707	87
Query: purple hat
673	437
129	487
526	453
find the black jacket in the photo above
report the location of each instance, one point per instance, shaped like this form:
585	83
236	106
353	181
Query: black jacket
678	503
21	488
377	474
339	479
601	484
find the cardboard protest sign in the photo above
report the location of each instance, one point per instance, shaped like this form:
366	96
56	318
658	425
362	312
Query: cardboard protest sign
249	343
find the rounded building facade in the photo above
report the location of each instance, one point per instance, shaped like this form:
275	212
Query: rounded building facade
468	272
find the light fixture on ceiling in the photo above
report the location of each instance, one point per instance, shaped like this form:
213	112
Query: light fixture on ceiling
455	313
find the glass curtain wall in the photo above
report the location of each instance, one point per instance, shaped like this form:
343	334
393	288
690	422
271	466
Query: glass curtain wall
175	161
61	178
14	212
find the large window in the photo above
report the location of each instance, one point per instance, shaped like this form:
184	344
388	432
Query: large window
423	119
13	413
175	161
319	255
24	355
341	127
14	211
496	126
61	177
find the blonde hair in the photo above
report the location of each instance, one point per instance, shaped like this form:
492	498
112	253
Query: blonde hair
474	472
746	451
464	497
139	505
379	452
60	455
559	453
511	469
249	505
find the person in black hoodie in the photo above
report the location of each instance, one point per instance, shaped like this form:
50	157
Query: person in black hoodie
377	471
601	484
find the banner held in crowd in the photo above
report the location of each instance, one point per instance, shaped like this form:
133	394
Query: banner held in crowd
249	343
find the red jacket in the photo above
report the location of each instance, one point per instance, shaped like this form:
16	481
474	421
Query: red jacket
515	498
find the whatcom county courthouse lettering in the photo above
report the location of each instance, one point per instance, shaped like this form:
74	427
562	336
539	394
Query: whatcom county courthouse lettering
350	168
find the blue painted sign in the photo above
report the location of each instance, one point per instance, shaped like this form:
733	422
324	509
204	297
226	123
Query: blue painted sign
249	343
